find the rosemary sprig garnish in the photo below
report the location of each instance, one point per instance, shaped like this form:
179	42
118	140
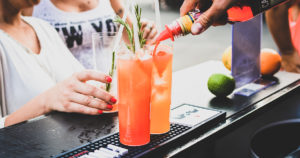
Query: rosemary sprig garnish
111	72
138	14
130	32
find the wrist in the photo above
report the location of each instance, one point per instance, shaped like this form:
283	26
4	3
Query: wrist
44	103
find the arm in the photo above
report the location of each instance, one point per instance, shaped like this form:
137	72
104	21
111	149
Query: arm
118	7
278	24
32	109
277	20
70	95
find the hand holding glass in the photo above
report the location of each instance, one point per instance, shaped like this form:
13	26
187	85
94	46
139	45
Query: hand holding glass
105	60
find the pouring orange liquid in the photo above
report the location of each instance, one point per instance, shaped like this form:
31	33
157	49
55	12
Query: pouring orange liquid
161	89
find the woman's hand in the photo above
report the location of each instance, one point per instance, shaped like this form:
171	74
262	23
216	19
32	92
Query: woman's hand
75	95
149	28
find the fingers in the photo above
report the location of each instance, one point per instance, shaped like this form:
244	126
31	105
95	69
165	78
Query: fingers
86	89
90	90
90	101
152	34
222	20
75	95
292	68
187	6
78	108
216	15
92	75
297	70
290	61
144	23
201	24
151	41
149	29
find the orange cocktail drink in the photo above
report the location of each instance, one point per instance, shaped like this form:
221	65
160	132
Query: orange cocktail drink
161	89
134	91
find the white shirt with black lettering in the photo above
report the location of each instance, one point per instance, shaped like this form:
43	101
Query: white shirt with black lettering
76	28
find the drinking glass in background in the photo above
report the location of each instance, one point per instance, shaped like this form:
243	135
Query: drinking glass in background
161	88
105	61
134	91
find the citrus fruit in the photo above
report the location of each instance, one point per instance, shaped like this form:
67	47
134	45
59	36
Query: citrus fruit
226	57
221	85
270	62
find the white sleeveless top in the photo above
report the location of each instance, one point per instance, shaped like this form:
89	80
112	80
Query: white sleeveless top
76	28
27	74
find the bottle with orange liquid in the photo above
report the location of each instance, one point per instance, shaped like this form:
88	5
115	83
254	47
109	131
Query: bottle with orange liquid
242	11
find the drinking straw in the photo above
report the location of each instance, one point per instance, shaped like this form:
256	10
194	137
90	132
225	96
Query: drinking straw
119	35
157	15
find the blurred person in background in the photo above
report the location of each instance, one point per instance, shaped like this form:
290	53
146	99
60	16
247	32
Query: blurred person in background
76	20
38	74
284	24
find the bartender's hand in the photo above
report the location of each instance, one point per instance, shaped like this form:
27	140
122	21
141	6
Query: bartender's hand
214	14
75	95
291	62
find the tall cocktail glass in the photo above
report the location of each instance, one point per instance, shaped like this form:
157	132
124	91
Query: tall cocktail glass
105	61
134	91
161	88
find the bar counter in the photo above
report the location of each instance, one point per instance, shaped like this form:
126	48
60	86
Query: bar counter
57	132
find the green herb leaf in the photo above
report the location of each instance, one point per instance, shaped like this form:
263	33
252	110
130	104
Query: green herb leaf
129	30
111	71
138	15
